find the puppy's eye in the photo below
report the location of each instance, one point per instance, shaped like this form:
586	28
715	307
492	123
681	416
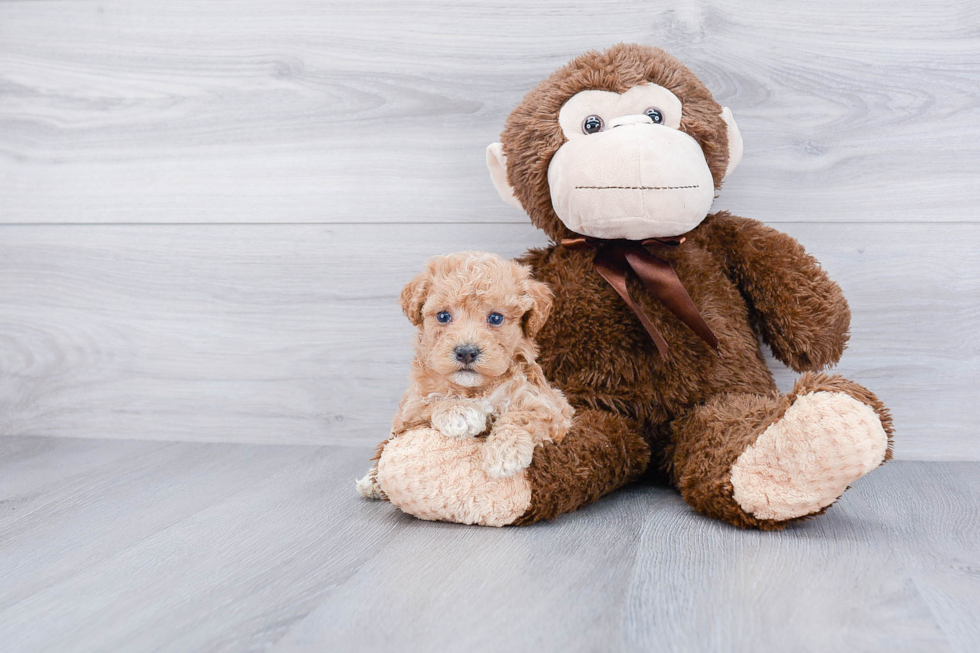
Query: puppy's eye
655	115
444	317
592	125
495	319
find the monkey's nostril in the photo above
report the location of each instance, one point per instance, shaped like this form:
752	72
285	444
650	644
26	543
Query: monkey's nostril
466	354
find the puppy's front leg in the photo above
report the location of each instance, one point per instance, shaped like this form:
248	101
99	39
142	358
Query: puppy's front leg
460	418
533	418
508	450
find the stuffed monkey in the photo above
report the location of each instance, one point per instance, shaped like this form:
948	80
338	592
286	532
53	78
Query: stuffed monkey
652	337
658	306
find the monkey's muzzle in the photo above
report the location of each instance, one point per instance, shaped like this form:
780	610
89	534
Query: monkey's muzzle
635	181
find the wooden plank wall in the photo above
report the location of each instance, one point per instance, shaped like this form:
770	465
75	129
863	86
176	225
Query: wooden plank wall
207	209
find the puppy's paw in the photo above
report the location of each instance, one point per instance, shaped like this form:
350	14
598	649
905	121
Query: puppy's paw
507	451
460	421
369	488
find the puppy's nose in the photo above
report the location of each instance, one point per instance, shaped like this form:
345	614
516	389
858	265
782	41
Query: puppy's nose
466	354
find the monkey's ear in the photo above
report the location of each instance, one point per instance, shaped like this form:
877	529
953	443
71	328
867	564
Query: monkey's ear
414	294
734	140
497	163
537	315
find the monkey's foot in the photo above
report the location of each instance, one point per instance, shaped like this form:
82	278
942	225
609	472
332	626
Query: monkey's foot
434	477
806	459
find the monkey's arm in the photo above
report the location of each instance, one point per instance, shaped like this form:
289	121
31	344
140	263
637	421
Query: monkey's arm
801	314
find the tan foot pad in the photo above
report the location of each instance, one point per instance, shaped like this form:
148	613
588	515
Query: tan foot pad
804	462
437	478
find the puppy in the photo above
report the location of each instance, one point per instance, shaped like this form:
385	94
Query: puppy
475	370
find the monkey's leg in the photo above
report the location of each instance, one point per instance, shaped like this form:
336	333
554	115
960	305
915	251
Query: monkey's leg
600	453
431	476
765	461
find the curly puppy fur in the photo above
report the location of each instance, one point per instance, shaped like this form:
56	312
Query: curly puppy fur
502	391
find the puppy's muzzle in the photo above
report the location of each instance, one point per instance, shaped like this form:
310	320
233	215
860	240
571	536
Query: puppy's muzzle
466	354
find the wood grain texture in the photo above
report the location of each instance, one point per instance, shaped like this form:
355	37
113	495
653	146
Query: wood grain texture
339	144
212	547
293	334
313	111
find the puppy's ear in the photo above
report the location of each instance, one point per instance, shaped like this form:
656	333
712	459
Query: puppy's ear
414	294
537	315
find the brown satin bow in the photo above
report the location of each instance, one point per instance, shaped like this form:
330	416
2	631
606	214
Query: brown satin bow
614	257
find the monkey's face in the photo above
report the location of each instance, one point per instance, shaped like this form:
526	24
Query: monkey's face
626	169
625	143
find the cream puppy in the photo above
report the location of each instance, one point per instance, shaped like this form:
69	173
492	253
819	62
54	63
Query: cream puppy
474	371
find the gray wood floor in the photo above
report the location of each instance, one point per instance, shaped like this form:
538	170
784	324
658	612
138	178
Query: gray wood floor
137	546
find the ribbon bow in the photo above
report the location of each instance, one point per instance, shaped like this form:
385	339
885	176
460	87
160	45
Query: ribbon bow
614	257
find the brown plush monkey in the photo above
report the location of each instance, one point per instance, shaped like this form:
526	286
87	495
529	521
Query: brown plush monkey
653	331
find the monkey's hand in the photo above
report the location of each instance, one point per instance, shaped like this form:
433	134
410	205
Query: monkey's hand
507	451
800	313
460	419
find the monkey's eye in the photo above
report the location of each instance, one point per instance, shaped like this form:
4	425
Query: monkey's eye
495	319
655	115
592	125
444	317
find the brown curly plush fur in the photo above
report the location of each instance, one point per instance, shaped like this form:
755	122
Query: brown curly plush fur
689	415
709	439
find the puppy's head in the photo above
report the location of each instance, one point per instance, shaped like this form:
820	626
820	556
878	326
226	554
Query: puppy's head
474	311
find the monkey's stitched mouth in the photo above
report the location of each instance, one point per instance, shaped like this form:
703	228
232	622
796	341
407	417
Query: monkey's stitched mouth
636	187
